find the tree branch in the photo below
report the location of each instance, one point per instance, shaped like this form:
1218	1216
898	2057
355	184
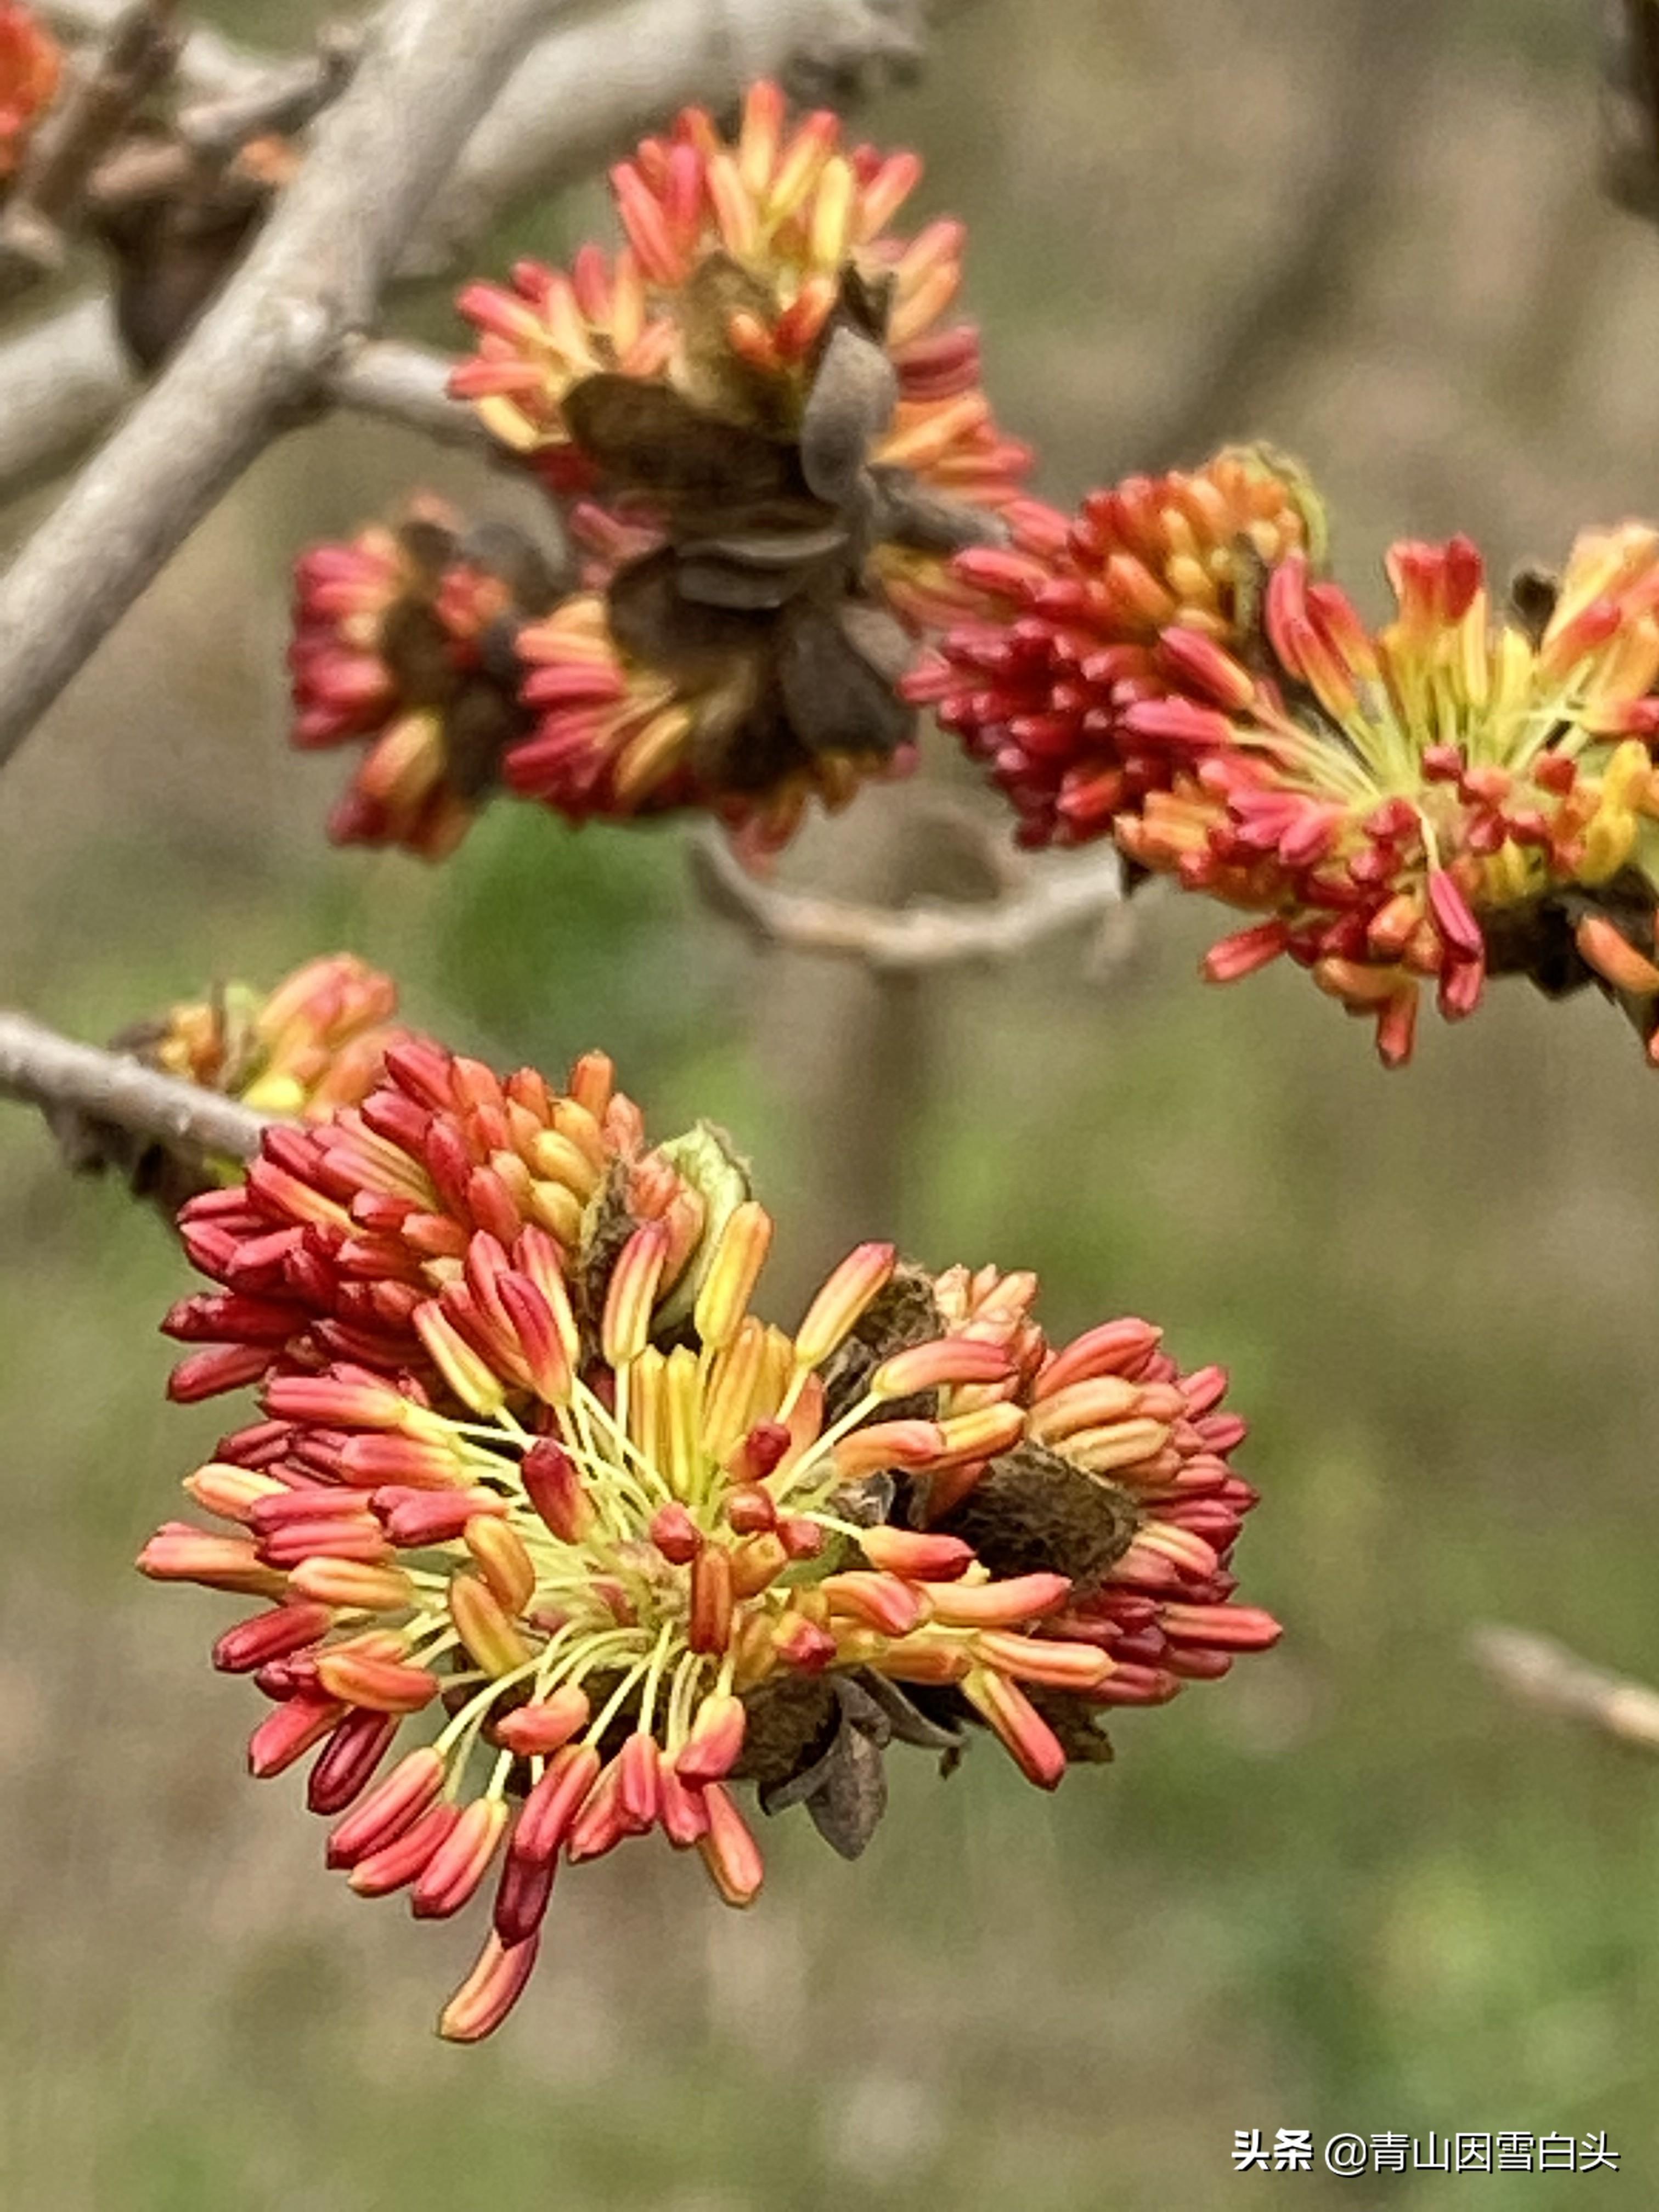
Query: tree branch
1062	892
1543	1672
208	64
407	385
45	1070
261	354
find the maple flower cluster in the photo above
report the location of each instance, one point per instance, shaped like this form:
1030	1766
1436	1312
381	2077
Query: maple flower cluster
769	440
312	1043
1462	792
556	1539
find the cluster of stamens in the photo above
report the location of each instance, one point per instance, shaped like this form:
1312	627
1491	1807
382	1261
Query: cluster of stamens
549	1495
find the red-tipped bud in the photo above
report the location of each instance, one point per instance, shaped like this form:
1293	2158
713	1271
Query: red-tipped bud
760	1452
803	1645
461	1860
554	1486
716	1738
800	1536
676	1535
489	1991
729	1851
545	1725
922	1558
750	1511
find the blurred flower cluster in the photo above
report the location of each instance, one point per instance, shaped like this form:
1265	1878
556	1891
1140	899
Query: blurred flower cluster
556	1539
1468	790
31	65
767	439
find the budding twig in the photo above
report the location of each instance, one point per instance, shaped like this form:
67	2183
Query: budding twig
45	1070
1545	1674
408	385
1041	901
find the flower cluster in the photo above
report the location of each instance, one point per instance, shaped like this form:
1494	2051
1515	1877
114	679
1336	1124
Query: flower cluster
1037	679
31	64
773	441
1461	792
1450	796
405	637
313	1043
540	1505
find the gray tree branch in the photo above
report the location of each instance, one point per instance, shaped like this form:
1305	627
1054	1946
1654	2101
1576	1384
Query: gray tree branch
262	353
1064	891
45	1070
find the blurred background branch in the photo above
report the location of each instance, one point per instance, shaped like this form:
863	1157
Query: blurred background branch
1540	1672
1036	900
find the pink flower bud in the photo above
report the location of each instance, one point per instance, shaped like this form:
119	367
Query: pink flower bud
489	1991
715	1740
729	1851
461	1860
545	1725
389	1810
554	1486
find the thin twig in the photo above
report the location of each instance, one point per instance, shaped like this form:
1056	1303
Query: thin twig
288	97
263	352
1066	891
45	1070
1545	1674
208	64
407	385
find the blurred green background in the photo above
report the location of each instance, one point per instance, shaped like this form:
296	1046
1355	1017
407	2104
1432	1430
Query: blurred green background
1353	1887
